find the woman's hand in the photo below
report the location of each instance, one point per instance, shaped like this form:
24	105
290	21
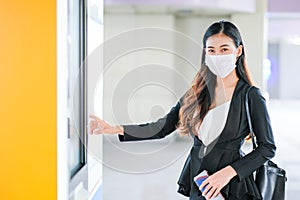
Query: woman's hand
217	181
98	126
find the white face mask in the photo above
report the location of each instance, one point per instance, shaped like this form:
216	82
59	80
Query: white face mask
221	65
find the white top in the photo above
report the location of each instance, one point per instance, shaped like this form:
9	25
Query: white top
213	123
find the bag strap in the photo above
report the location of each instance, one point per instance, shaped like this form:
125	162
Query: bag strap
249	118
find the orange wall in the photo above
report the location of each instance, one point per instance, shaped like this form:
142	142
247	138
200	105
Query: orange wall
28	99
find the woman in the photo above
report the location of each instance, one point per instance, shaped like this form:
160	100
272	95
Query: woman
216	98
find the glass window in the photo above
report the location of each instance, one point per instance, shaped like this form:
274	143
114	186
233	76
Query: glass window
76	85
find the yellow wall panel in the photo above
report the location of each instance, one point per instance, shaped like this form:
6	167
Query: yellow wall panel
28	99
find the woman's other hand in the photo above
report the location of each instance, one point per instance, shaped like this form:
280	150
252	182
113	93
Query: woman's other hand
217	181
98	126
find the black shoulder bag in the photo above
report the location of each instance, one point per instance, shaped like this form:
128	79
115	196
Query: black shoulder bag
269	178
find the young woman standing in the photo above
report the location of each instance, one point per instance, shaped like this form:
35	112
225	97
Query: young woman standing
213	112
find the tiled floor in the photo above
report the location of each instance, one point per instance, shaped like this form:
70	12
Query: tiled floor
149	170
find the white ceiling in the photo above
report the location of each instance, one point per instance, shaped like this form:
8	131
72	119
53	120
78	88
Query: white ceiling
283	15
181	7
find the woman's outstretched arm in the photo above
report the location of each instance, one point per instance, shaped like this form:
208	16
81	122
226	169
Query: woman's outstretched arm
152	130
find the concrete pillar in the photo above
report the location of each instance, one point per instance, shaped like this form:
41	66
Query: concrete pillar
253	29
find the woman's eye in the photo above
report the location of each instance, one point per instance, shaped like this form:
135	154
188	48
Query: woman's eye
224	50
210	51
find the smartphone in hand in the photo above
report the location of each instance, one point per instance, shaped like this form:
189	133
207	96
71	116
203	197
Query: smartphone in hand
199	180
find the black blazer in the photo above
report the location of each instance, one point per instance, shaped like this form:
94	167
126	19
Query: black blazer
225	150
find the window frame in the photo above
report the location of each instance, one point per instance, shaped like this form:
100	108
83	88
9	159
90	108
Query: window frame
79	172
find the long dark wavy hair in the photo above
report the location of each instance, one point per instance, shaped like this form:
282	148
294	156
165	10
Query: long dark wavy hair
197	100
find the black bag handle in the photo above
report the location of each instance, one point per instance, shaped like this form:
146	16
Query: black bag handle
271	165
249	118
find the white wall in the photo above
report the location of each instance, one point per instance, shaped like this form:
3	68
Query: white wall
144	98
253	28
289	70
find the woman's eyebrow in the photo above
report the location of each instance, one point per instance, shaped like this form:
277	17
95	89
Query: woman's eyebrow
223	45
